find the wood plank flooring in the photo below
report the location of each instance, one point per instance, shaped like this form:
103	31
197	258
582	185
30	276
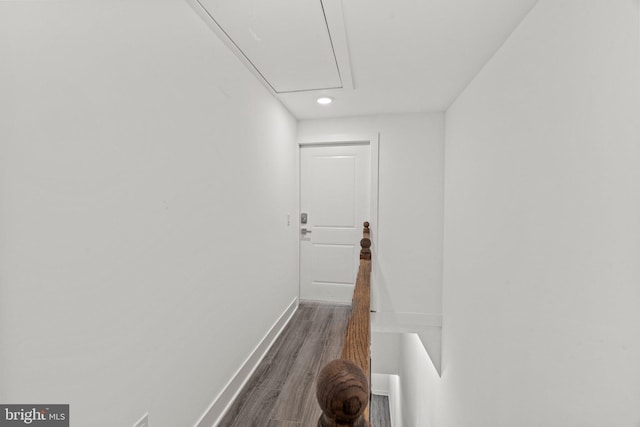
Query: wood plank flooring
281	392
380	414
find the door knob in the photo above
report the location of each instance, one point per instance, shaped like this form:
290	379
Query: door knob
304	231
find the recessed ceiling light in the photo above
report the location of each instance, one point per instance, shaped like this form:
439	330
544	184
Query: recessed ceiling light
325	100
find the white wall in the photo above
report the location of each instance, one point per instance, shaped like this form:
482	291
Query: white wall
413	403
145	178
542	217
409	258
419	383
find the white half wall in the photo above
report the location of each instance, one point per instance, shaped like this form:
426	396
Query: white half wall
145	182
541	319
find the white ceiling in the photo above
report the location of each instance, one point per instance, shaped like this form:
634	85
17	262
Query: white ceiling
286	41
384	56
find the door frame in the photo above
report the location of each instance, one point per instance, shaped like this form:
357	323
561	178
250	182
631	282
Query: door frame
371	139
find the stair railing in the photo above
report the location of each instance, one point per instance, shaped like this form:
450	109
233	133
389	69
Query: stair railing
343	384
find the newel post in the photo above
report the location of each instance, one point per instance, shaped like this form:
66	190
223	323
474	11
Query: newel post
343	395
365	243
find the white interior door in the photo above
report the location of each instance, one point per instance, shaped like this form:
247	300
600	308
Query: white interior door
335	196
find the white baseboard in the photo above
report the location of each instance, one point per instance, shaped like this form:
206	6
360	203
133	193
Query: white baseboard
380	384
324	302
389	385
223	401
329	293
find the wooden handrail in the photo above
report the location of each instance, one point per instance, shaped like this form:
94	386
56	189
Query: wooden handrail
343	384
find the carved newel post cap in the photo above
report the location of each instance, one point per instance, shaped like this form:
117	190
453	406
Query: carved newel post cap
365	252
343	394
365	243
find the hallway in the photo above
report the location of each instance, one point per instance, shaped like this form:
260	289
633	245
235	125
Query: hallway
281	392
151	210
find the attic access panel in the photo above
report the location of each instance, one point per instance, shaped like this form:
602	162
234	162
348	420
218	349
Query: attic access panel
286	41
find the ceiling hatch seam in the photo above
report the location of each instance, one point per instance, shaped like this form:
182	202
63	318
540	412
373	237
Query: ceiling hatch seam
333	49
257	70
236	45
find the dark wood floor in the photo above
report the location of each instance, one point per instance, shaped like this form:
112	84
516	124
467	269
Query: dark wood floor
380	414
281	392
